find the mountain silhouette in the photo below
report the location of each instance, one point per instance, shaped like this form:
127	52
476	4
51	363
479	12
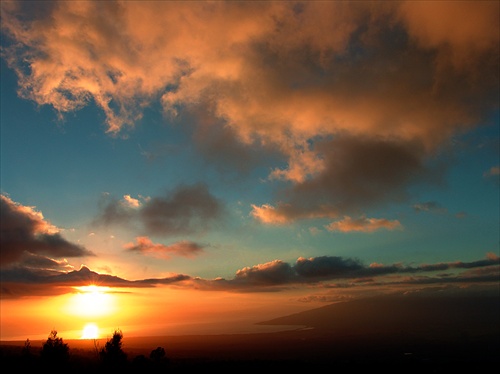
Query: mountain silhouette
87	276
412	314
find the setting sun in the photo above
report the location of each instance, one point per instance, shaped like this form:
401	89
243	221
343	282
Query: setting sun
92	301
90	331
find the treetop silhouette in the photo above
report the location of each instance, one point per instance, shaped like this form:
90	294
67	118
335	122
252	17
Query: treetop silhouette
54	349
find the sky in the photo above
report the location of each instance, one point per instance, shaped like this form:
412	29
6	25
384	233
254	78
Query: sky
172	167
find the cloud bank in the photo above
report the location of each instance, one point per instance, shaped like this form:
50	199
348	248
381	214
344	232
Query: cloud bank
358	97
273	276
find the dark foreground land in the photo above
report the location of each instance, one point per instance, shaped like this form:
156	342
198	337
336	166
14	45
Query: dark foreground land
300	349
423	336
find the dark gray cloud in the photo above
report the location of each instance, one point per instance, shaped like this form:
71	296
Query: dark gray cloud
221	147
326	266
268	277
272	273
186	209
359	172
24	232
24	281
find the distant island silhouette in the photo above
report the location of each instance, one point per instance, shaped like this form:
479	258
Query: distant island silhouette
425	315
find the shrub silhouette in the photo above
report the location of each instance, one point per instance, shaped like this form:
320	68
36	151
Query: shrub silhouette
26	351
54	350
112	354
157	354
55	355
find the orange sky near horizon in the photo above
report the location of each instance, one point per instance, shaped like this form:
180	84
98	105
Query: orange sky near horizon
141	312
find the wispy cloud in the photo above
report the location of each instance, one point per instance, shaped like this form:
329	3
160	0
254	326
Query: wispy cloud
429	206
146	246
363	224
493	171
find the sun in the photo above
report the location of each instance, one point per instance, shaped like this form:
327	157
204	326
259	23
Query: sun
92	301
90	331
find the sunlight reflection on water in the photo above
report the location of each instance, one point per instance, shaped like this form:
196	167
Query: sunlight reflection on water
210	328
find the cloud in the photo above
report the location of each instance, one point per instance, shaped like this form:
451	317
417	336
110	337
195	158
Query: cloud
274	272
271	276
186	209
493	171
221	147
24	281
183	248
27	236
333	267
429	206
358	98
363	224
493	174
131	202
326	266
461	37
268	214
491	258
316	269
358	172
277	275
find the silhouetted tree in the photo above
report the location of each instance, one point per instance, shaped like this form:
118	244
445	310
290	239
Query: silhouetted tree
157	354
28	359
96	348
141	363
26	352
159	359
54	350
112	354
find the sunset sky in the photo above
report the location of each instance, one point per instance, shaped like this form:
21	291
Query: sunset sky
210	165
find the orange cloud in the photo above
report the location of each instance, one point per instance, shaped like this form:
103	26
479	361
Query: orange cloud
294	77
268	214
245	64
286	213
183	248
131	202
363	224
461	31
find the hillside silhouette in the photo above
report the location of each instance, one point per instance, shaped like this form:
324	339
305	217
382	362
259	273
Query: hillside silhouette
429	316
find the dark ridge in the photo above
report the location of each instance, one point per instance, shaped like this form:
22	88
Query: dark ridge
416	314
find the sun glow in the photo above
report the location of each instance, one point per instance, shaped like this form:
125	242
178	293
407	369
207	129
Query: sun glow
90	331
92	301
